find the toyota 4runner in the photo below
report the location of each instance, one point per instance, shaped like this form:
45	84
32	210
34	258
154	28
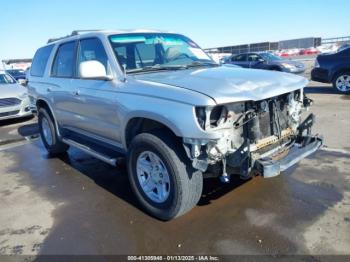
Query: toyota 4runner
160	100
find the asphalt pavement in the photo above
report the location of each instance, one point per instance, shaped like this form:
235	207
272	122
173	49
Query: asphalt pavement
76	204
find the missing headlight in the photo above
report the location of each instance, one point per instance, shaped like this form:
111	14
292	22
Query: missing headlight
201	116
218	116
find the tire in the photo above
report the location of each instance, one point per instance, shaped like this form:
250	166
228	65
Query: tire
341	82
51	141
185	184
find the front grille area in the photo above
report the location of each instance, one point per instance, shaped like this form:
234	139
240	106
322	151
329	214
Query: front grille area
5	102
265	124
11	113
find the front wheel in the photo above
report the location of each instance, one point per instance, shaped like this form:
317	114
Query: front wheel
162	177
342	82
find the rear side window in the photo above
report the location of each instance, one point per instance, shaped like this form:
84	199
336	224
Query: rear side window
63	65
240	58
40	60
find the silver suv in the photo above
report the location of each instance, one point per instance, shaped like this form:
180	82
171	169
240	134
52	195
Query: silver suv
160	100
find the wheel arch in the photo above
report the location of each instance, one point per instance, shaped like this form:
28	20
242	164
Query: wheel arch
338	71
140	124
43	103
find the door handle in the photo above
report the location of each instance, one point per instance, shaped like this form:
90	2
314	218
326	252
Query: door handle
76	92
48	89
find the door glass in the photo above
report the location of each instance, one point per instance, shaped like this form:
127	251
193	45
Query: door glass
253	58
240	58
63	65
92	49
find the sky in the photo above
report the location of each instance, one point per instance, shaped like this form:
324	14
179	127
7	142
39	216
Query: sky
27	25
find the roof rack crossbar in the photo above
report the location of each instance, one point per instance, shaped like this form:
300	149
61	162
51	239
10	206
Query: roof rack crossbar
75	32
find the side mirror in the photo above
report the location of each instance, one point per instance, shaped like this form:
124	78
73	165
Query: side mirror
93	70
260	60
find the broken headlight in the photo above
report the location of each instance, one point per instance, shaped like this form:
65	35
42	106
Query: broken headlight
211	117
218	116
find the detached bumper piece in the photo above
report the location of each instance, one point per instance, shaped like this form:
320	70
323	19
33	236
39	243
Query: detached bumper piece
268	167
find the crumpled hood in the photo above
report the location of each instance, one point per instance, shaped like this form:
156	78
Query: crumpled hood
12	90
226	84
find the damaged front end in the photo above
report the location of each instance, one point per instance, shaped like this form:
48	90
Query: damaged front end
257	137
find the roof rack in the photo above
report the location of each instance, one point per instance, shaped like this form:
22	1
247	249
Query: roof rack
75	32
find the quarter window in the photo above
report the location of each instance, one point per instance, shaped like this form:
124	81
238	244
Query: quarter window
92	49
64	61
40	60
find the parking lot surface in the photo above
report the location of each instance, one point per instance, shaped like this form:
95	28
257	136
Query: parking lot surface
79	205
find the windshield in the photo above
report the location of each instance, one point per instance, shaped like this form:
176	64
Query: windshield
156	51
6	79
343	47
270	57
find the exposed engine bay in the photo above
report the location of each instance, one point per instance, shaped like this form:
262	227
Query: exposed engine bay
250	131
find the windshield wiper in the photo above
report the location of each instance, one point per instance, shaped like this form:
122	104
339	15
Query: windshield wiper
156	68
198	64
159	67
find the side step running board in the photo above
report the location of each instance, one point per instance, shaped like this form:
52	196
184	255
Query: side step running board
94	153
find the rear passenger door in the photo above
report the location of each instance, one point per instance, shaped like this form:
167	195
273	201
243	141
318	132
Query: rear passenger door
61	89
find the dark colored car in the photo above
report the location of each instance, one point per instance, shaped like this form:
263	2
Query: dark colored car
266	61
17	74
334	68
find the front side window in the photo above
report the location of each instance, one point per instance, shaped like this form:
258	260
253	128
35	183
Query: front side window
270	57
92	49
63	65
6	79
254	58
152	51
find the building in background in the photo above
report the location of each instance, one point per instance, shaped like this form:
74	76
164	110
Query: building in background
16	63
301	43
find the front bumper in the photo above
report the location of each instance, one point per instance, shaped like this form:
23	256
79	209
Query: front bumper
268	167
319	75
294	70
21	110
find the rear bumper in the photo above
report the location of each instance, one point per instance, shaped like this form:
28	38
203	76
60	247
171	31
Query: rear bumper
268	167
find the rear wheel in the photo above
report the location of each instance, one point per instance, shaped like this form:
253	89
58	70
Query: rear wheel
49	135
162	177
342	82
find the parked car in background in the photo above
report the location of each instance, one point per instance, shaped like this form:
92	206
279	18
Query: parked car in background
328	48
266	61
14	100
18	74
334	68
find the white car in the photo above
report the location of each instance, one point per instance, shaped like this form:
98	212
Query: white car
14	100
